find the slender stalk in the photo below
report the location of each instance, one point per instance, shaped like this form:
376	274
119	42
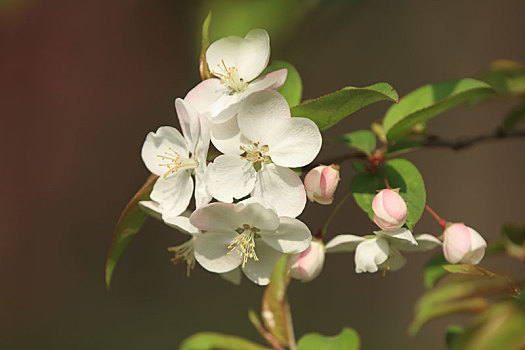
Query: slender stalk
336	208
442	222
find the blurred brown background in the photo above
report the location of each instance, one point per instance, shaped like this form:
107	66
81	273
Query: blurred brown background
82	82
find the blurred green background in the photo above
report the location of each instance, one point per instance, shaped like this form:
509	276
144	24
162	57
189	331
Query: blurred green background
82	82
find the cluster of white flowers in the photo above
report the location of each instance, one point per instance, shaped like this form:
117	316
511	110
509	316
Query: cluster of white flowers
252	222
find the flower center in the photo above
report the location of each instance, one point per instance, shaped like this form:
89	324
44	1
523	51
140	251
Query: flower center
175	162
184	252
256	153
244	244
230	77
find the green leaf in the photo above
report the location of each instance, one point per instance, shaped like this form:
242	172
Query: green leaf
401	174
292	90
275	310
128	225
218	341
466	269
514	117
361	140
402	146
428	101
454	335
205	43
514	240
348	339
329	109
506	76
434	270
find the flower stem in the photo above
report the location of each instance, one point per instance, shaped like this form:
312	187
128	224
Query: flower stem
442	222
338	206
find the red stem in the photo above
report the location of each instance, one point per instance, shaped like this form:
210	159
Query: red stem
442	222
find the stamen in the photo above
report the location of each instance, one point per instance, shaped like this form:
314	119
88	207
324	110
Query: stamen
184	252
254	152
244	244
176	162
230	77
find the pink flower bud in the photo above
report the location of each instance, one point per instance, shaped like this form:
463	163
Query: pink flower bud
320	183
463	244
308	264
390	210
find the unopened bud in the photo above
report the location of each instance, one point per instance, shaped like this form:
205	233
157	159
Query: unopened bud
463	244
308	264
390	210
320	183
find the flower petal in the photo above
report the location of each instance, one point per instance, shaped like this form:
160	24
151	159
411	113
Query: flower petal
152	208
424	242
282	187
230	177
260	271
158	143
234	276
371	253
270	81
202	197
292	236
220	217
173	193
477	248
249	55
189	123
211	251
457	242
226	137
396	260
343	243
399	234
183	224
257	215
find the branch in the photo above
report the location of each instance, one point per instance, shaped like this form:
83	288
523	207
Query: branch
456	145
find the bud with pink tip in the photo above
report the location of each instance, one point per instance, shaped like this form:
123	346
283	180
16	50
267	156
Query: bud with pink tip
390	210
462	244
320	183
308	264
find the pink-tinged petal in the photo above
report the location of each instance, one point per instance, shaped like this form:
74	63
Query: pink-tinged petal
456	243
389	210
173	193
165	139
205	94
282	187
249	55
261	270
230	177
394	205
312	183
292	236
219	217
211	252
270	81
477	248
307	265
328	182
343	243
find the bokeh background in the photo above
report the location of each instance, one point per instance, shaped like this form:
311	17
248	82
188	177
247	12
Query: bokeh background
82	82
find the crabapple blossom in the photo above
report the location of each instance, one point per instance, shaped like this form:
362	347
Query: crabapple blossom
175	158
235	62
382	250
321	182
259	146
308	264
249	235
463	244
390	209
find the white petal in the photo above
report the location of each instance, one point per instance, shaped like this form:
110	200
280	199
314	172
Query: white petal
202	197
230	177
260	271
424	242
396	260
282	187
205	94
270	81
292	236
226	137
173	193
298	145
257	215
343	243
159	142
211	251
152	208
249	55
477	248
181	223
371	253
234	276
189	123
400	234
220	217
263	116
